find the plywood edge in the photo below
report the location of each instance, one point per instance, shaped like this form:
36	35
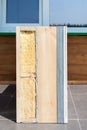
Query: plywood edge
7	82
17	74
30	121
76	82
33	28
28	28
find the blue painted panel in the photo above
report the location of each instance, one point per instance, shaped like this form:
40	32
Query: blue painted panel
22	11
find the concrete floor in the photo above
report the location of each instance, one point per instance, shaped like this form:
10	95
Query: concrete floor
77	100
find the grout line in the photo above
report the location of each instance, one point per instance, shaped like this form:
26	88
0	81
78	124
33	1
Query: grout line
75	109
83	119
79	94
78	119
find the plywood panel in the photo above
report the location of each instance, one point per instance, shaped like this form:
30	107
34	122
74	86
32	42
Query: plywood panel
37	60
7	45
77	48
26	68
47	87
7	69
77	59
7	59
77	39
78	82
79	71
81	58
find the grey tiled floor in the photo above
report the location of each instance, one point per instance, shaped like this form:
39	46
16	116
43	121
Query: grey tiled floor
77	104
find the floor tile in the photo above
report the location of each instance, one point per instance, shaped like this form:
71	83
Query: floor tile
11	125
71	110
78	89
8	116
83	124
81	105
73	125
7	125
76	94
3	88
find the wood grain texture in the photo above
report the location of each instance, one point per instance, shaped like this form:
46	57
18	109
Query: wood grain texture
78	82
46	58
47	87
77	59
7	59
26	67
18	81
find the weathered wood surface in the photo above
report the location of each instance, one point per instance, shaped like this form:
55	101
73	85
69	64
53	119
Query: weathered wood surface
77	59
26	82
47	81
44	59
7	59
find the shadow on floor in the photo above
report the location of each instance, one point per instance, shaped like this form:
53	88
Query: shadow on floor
8	102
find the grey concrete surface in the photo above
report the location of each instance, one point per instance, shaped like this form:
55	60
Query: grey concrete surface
77	104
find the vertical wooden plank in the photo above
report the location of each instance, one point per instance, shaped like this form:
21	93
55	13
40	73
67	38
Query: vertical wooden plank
62	74
47	90
52	54
18	93
27	88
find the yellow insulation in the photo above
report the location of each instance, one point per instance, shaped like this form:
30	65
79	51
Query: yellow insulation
27	52
28	67
28	97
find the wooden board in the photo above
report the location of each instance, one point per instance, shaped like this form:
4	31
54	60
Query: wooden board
7	59
38	73
42	63
47	83
77	59
26	67
77	51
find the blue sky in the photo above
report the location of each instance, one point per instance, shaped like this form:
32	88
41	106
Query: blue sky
68	11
